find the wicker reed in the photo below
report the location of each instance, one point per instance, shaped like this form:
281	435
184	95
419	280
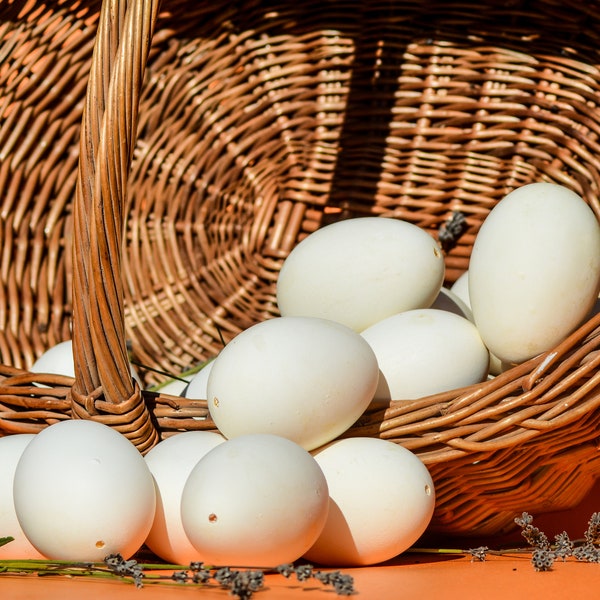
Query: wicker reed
157	164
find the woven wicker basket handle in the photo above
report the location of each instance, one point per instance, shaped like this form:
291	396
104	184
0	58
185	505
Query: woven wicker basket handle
104	389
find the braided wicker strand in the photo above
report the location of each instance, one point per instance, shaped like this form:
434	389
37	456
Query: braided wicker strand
103	387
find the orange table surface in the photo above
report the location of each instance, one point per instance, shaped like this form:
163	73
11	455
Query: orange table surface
411	575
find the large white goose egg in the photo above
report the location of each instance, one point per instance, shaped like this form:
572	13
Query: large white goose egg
83	491
302	378
426	351
460	288
170	462
360	271
382	499
534	272
256	500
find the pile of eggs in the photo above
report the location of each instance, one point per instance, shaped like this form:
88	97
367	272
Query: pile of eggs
364	319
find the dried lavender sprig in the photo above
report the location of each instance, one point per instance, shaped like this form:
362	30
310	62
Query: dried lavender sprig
451	230
535	538
224	575
304	572
125	568
180	576
563	546
592	535
342	584
245	583
240	583
479	553
542	559
200	572
587	553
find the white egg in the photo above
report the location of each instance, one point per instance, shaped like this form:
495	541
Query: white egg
198	386
171	462
360	271
302	378
448	300
460	288
497	366
175	387
11	449
83	491
426	351
534	272
382	500
256	500
58	360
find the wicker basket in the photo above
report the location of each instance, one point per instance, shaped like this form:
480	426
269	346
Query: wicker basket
218	135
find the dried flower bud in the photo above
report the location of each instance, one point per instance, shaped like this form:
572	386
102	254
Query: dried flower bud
592	535
563	546
451	231
587	553
479	553
542	559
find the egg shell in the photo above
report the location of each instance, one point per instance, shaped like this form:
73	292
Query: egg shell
534	272
382	500
11	449
460	288
302	378
198	386
58	360
254	500
449	301
171	462
360	271
175	387
83	491
426	351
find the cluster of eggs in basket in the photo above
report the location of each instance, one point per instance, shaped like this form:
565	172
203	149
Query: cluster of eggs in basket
364	319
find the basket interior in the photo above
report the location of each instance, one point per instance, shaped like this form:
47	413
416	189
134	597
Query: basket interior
262	121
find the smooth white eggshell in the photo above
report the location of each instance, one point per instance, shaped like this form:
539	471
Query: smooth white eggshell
257	500
58	360
426	351
175	387
534	272
198	386
170	462
382	500
302	378
11	449
83	491
460	288
360	271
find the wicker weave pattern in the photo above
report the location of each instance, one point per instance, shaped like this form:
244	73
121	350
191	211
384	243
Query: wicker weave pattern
255	123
